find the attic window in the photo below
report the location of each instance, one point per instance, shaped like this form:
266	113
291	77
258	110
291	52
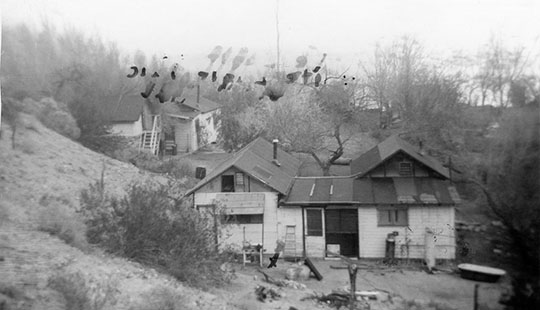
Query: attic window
239	176
405	168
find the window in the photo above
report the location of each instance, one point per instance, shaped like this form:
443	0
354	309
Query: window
314	222
405	168
239	178
242	219
392	217
227	183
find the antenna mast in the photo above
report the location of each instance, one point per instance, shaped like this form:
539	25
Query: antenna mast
277	34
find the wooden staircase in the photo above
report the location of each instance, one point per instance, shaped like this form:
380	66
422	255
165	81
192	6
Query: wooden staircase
150	138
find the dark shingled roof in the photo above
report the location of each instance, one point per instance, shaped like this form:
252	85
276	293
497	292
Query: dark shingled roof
370	191
129	109
255	159
187	105
386	149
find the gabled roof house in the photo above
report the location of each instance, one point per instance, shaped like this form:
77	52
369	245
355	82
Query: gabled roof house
195	121
128	115
394	190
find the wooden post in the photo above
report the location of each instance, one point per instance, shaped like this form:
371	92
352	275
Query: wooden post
303	233
429	249
353	270
476	296
216	238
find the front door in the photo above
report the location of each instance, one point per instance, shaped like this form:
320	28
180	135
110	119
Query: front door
342	230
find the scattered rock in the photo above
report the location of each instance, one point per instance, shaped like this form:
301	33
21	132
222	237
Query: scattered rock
298	273
266	294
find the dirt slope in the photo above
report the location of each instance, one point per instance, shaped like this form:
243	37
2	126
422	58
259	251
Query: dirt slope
47	166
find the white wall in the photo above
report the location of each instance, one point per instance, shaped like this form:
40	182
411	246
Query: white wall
234	234
127	129
372	239
209	125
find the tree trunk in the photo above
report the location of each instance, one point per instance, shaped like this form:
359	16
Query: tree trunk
326	169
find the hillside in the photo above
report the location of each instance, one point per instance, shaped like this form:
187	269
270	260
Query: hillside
41	179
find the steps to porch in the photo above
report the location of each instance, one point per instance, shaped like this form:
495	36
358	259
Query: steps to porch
150	138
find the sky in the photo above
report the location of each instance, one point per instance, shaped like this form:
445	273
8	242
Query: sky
187	30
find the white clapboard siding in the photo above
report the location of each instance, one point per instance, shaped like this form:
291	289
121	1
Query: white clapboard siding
372	238
183	136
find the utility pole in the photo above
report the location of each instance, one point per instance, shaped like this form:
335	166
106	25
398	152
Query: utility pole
277	34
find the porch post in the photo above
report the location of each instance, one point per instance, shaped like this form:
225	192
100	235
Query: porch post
303	234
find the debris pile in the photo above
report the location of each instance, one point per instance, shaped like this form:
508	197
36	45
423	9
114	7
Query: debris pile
266	294
283	283
338	300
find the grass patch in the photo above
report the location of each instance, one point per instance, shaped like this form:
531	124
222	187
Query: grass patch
162	298
82	293
58	219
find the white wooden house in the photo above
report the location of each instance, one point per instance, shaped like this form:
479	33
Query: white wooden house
195	121
249	185
392	189
133	116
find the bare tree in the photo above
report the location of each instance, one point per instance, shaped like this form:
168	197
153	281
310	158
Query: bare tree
418	93
316	121
510	180
499	68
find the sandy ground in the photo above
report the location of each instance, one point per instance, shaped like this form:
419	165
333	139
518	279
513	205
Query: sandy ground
47	164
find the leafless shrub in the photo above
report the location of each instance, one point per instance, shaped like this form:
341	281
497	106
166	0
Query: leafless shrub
151	226
83	292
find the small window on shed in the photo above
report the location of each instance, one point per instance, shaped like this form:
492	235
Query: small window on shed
314	222
392	217
405	168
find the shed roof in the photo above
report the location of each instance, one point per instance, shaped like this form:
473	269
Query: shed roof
187	105
256	160
386	149
371	191
128	109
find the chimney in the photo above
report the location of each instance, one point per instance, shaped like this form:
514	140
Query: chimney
421	148
275	161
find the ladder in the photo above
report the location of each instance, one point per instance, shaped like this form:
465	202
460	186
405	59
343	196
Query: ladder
290	241
150	138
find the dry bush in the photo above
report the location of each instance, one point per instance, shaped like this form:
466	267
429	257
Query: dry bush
177	168
58	219
162	298
54	115
149	225
83	292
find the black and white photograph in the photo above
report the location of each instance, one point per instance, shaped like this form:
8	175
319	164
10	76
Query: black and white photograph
270	154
